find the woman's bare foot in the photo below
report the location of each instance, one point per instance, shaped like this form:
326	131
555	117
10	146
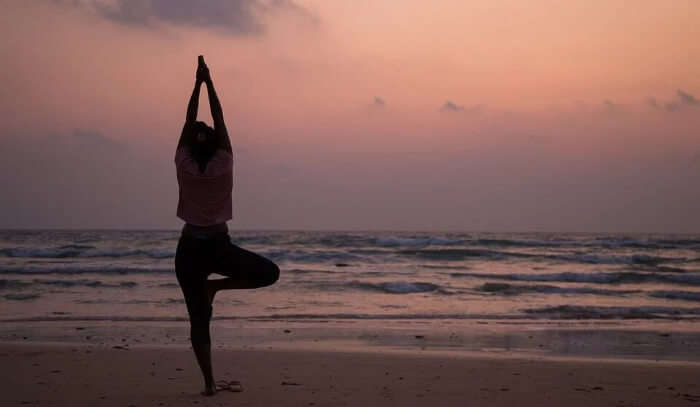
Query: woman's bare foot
209	391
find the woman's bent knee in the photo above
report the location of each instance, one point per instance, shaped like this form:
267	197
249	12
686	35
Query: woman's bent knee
272	274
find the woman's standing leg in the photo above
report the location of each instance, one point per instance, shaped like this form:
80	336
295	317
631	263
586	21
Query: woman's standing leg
190	261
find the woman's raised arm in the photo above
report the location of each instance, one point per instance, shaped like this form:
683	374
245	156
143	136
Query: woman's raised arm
193	105
217	113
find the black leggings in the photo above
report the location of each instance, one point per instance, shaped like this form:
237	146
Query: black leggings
196	258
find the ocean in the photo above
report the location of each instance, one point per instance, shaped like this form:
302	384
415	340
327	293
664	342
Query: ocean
434	281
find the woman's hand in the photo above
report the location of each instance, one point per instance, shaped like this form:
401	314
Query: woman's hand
203	71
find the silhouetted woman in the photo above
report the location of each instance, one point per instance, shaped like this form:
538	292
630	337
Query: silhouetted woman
204	162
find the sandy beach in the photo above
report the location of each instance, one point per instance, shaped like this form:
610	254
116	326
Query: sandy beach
60	375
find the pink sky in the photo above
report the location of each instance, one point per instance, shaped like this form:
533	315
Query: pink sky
461	115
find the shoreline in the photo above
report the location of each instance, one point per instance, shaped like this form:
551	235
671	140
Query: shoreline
347	348
43	374
649	342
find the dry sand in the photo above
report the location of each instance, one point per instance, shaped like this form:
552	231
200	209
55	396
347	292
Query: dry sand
64	375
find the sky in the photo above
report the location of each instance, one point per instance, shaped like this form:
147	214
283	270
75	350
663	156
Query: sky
464	115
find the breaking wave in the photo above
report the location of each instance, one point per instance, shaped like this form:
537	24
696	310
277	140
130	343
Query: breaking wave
596	278
70	251
388	287
396	287
416	241
512	289
83	269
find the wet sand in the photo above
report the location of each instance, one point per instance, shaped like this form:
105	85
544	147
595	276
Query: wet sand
58	375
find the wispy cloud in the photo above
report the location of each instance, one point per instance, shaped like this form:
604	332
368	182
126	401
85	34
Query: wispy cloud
236	17
686	98
683	99
450	106
379	102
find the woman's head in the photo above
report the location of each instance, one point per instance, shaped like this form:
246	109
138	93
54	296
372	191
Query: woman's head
202	144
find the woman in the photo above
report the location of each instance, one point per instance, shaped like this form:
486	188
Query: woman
204	162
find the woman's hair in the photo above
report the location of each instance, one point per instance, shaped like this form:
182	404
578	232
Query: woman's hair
202	143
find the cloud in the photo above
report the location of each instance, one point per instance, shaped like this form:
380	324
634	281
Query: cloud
236	17
450	106
290	7
686	98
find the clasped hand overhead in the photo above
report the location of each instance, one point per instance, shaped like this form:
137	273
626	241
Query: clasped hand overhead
203	71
